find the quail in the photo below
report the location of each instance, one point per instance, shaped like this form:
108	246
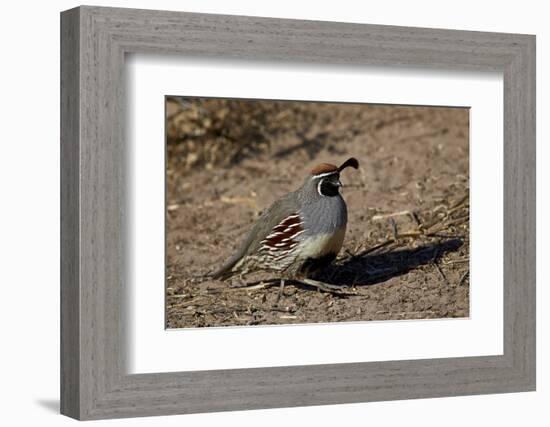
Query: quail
300	233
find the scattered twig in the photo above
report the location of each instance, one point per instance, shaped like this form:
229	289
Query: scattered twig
416	219
280	309
185	303
391	215
463	278
375	247
410	234
409	313
438	268
442	225
394	229
445	236
457	261
458	203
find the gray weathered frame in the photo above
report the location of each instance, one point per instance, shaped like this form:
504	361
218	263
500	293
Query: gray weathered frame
94	41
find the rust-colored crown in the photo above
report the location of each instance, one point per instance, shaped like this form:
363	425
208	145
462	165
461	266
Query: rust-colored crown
324	168
329	168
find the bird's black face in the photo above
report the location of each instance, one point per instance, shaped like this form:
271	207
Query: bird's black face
329	185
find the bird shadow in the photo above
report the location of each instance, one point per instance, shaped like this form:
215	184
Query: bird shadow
366	269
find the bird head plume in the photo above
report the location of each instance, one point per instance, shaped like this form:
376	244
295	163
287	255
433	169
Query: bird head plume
325	177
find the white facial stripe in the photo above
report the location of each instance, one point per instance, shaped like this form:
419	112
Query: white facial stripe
319	188
324	174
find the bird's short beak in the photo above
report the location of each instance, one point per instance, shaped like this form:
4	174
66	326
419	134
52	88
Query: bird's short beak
339	183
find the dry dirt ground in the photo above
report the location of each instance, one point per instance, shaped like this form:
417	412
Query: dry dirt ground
406	252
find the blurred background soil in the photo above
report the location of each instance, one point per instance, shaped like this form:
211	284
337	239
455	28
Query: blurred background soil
406	252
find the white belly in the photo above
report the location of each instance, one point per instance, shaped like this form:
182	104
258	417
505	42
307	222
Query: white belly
323	244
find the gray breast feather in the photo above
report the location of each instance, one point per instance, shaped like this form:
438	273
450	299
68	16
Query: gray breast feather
325	215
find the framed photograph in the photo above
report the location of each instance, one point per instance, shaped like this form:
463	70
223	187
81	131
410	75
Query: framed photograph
261	213
232	155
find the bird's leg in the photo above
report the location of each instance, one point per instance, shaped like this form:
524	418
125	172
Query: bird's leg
281	290
327	287
321	285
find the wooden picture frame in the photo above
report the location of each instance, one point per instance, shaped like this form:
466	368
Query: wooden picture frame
94	382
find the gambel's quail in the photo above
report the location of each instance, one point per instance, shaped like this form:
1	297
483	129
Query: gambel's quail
300	233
